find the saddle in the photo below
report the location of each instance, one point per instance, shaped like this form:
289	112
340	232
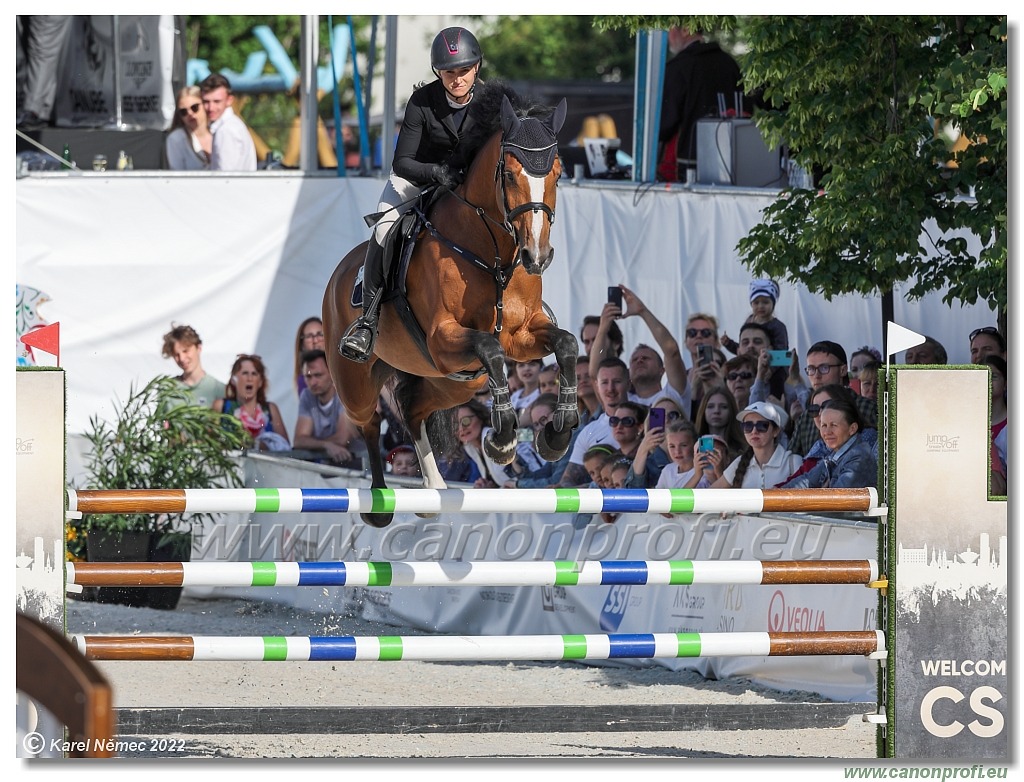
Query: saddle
397	247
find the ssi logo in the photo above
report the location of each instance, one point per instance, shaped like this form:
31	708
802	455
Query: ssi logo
614	608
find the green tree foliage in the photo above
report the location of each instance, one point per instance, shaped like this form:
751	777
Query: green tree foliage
562	47
864	100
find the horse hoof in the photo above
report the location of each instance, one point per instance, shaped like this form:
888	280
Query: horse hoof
377	519
500	454
555	450
427	515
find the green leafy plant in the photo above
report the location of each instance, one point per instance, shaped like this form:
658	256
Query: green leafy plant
161	441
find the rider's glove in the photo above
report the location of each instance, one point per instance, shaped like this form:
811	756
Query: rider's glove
444	177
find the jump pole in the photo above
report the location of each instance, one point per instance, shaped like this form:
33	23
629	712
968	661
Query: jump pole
471	574
299	500
461	648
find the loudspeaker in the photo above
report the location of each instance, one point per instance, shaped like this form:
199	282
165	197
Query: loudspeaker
732	152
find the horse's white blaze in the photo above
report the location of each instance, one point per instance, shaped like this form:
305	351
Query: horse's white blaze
537	197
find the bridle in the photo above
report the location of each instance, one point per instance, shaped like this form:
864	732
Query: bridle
536	160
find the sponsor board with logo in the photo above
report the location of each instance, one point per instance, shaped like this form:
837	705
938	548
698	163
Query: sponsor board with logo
948	541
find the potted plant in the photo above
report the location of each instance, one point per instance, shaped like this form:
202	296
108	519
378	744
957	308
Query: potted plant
159	440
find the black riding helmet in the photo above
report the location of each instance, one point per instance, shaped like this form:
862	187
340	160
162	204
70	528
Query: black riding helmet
453	48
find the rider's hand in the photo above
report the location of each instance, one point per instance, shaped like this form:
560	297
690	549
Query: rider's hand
444	177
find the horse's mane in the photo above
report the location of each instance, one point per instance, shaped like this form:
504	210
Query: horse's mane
485	110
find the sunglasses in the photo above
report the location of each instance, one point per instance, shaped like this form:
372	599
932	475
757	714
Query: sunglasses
691	333
982	330
672	415
821	369
313	335
466	420
628	420
815	410
739	376
185	110
759	426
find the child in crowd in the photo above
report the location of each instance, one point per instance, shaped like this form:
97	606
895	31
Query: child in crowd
403	461
679	441
528	373
764	294
549	379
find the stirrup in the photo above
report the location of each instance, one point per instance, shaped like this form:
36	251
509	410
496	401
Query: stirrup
357	343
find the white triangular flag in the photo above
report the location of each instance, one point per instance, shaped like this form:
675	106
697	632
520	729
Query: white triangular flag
898	339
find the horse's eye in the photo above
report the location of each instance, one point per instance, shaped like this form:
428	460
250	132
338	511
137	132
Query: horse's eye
510	178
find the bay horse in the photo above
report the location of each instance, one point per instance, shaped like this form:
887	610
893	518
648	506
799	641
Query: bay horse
473	288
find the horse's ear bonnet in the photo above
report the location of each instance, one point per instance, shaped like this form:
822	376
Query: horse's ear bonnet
532	142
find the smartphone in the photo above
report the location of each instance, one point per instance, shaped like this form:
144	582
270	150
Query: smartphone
779	358
706	443
705	354
656	418
615	295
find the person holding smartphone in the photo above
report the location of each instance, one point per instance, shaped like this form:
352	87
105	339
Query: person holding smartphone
710	455
765	462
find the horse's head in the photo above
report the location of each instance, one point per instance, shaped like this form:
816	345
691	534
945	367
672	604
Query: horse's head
526	177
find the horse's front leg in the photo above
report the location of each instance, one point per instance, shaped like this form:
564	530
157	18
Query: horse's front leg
553	440
371	436
500	443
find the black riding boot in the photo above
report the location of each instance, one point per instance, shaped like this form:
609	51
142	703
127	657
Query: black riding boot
357	343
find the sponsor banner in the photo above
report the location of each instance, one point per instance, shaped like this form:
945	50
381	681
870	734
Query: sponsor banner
949	546
86	92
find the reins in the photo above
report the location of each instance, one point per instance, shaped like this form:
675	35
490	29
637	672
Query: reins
502	275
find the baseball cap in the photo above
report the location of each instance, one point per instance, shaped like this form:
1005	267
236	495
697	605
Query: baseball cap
767	411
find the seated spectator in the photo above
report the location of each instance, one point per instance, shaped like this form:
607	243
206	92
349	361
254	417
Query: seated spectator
473	421
528	373
717	416
310	336
679	442
586	396
530	471
701	329
862	356
183	344
612	389
819	450
851	463
403	461
708	465
930	351
869	380
322	425
998	419
621	468
547	381
826	364
588	332
987	341
627	424
189	143
651	455
595	460
245	397
765	462
648	369
739	375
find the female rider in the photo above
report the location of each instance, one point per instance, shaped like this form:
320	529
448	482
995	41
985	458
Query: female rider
427	151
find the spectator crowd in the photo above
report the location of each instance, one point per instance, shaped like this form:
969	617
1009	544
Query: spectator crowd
705	411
